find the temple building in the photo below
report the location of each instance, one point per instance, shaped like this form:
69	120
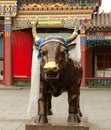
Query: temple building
98	51
56	17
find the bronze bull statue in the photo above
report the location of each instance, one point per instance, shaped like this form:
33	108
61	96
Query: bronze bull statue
58	73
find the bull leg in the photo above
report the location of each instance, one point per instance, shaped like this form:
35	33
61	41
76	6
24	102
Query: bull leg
73	96
49	98
80	113
42	111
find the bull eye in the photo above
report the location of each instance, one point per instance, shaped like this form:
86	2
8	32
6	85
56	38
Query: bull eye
64	51
43	52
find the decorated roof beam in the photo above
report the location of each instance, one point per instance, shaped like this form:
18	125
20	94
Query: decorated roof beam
8	7
55	13
76	6
52	21
74	2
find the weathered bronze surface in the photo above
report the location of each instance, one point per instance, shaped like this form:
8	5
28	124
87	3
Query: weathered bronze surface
58	73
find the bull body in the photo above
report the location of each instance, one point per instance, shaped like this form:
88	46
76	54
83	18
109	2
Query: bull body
58	73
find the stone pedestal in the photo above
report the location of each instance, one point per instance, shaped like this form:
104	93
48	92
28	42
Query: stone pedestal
57	123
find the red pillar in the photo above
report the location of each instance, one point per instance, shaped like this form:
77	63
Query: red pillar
83	58
83	55
8	52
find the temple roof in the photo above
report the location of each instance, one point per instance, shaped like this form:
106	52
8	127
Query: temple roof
51	13
100	21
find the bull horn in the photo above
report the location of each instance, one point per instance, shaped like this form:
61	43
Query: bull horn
34	32
74	35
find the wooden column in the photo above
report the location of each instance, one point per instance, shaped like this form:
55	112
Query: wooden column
7	50
83	58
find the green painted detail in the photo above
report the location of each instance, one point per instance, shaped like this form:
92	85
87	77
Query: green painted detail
96	43
22	83
98	83
83	2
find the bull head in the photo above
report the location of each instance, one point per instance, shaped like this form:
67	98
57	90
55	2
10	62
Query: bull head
52	53
69	39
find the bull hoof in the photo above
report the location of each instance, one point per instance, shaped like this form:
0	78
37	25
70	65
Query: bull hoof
74	118
80	113
42	119
49	112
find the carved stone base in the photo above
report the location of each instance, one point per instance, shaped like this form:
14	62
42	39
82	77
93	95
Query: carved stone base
57	123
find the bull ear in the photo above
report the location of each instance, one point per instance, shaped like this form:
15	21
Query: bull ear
71	46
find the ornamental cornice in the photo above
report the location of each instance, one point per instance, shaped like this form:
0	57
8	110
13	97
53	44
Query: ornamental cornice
8	8
58	21
53	8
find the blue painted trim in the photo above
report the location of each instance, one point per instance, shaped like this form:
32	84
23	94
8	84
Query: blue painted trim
8	28
83	41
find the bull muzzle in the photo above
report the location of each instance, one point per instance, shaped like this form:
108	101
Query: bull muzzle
51	70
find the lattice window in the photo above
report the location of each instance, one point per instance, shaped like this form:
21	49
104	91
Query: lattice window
103	64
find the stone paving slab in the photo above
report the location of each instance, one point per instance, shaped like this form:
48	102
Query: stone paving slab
95	104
